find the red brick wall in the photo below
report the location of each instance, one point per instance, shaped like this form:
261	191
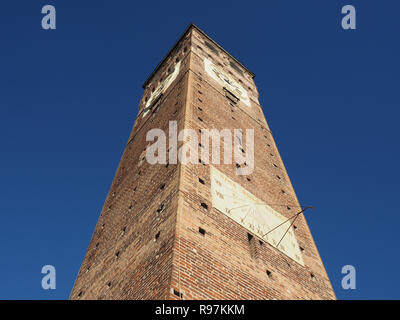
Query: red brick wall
125	261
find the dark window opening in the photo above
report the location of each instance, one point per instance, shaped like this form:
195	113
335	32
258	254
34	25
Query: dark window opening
204	205
202	231
249	236
269	274
211	47
234	66
157	235
201	181
162	186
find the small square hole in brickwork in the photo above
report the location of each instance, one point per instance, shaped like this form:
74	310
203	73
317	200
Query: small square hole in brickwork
289	208
200	108
205	206
261	243
80	294
201	181
278	177
123	230
237	165
200	119
200	145
109	284
249	236
177	293
162	186
117	254
312	276
202	231
301	249
271	154
248	179
269	274
283	191
202	162
161	208
157	235
200	100
167	165
97	245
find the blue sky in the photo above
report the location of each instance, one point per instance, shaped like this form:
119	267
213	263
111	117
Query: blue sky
69	97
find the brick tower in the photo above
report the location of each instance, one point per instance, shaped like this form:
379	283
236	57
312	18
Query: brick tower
201	230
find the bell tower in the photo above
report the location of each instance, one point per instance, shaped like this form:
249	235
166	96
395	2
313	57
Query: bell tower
205	210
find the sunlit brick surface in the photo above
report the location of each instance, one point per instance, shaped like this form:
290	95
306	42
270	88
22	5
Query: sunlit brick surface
147	243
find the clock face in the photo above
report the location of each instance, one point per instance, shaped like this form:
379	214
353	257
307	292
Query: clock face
255	215
226	81
162	87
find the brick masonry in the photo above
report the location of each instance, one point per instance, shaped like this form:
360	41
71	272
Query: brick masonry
147	243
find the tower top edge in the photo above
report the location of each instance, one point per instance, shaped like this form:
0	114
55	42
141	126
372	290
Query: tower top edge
187	30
